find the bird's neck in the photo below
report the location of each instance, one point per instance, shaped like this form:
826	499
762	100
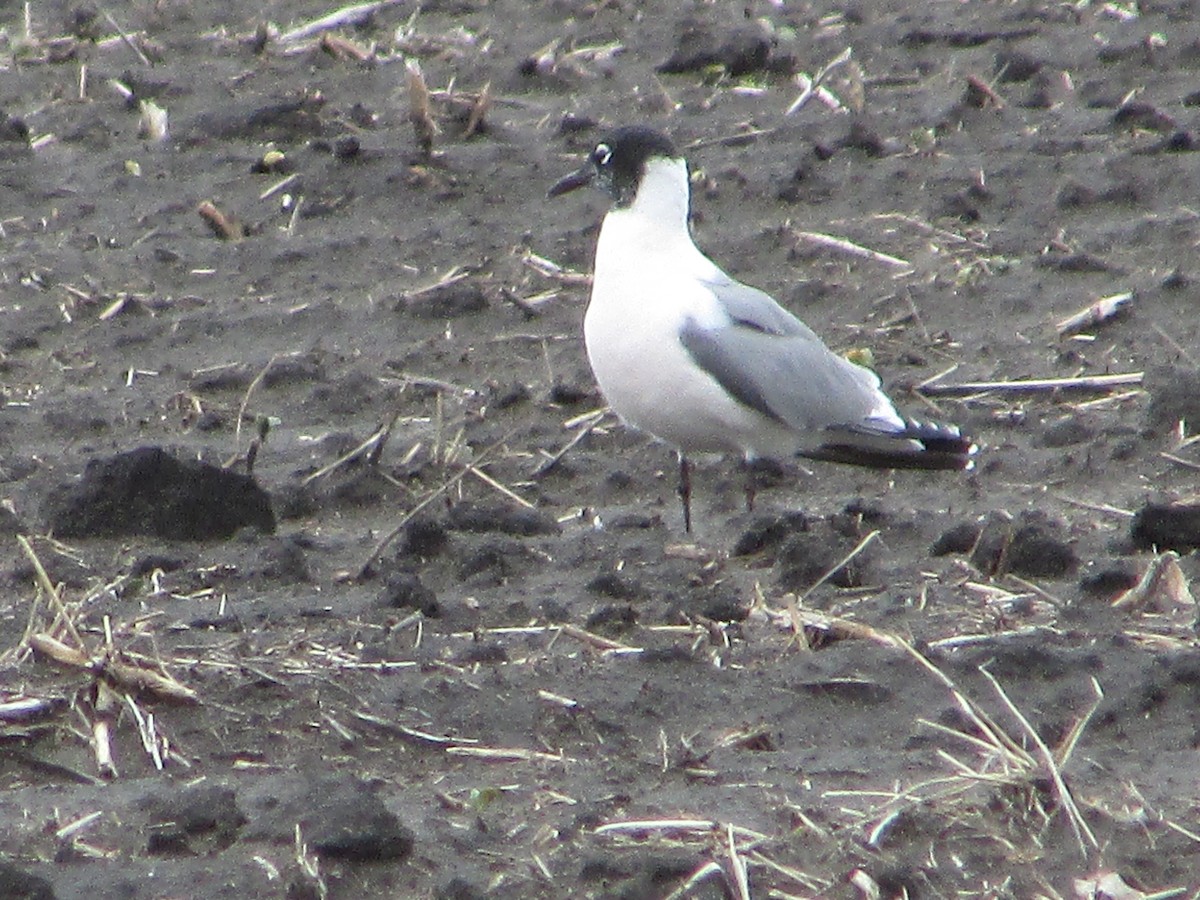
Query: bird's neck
663	197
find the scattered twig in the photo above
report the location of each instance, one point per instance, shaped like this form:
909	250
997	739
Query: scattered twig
49	588
250	388
737	139
603	643
1179	460
551	269
1067	747
104	708
1032	385
343	48
420	113
809	883
737	866
842	563
347	15
25	708
1162	581
642	826
1175	345
152	121
479	109
981	94
507	754
367	447
928	228
705	871
557	699
846	246
499	488
223	226
128	41
588	426
811	86
433	495
124	674
1083	834
1105	508
1094	313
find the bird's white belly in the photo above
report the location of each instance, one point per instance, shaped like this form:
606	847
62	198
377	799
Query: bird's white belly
652	383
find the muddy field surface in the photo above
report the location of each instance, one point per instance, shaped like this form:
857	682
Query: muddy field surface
449	638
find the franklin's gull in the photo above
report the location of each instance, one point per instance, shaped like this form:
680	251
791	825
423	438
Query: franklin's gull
705	363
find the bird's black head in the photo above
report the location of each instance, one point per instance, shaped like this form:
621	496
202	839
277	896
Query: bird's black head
618	161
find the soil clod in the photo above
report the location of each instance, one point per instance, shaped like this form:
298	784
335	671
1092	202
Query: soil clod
148	491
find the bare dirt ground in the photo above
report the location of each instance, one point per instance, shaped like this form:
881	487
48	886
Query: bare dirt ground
541	656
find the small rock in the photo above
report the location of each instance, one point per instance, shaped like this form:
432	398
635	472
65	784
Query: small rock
1013	65
17	884
958	538
152	562
149	492
294	500
10	522
512	395
489	654
567	394
804	558
345	820
1025	547
458	888
14	130
290	122
617	586
1174	395
1076	263
287	370
1067	431
862	137
739	50
424	539
494	562
1038	554
347	395
616	617
404	590
726	609
1109	579
573	123
498	517
445	301
1142	116
1167	526
768	532
675	653
206	810
282	559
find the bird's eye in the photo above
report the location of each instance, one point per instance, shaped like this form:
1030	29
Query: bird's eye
602	154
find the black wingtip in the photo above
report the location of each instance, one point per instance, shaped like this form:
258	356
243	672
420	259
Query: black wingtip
930	446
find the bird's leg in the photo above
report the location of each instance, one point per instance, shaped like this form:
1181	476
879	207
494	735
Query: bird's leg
751	486
685	491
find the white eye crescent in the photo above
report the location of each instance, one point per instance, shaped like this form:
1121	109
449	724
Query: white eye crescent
602	154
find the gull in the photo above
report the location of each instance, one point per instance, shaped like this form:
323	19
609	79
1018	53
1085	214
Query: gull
705	363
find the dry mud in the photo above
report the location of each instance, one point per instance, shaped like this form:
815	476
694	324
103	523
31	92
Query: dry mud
541	656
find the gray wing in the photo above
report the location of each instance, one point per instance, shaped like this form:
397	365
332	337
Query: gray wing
756	309
774	363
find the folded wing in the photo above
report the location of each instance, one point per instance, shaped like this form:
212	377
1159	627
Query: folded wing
775	364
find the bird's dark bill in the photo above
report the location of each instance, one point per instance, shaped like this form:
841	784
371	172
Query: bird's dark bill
574	181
